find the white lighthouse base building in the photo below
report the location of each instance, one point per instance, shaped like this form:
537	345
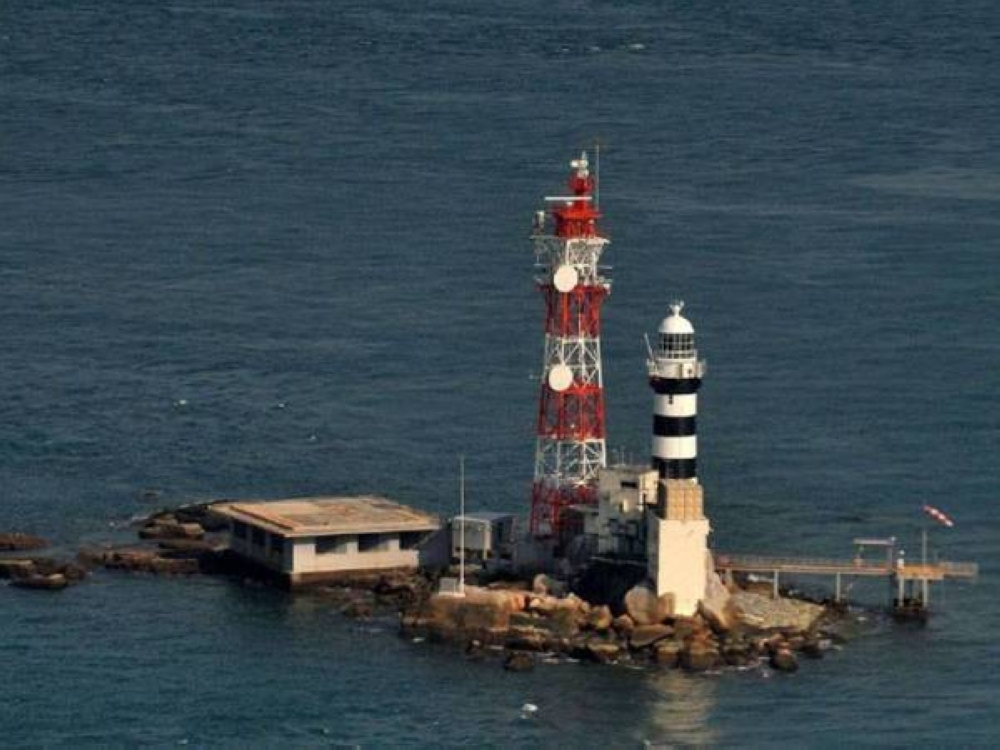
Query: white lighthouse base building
677	545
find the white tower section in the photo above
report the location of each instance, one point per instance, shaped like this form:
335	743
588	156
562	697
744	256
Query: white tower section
678	561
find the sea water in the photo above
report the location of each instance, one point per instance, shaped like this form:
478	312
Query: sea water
256	249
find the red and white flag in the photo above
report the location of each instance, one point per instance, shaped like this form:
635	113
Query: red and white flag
938	516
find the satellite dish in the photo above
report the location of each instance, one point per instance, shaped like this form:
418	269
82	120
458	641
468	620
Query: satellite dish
565	278
560	378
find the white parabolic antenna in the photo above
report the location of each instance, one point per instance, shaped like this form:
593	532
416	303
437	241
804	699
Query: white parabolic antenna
560	378
565	279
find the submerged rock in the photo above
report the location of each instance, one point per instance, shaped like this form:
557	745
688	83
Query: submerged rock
784	660
647	635
602	651
518	661
15	541
54	582
667	653
167	529
16	568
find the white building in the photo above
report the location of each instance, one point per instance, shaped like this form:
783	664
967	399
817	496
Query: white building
312	539
487	536
617	525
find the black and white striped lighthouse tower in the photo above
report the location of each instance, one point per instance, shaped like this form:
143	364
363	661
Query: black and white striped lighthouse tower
675	374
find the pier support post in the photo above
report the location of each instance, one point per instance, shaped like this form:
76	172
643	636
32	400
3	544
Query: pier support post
774	588
836	590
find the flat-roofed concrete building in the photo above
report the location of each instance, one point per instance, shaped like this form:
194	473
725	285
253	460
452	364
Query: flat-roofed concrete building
312	539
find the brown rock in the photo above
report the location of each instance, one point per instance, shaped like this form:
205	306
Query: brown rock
784	660
53	582
667	653
519	661
16	541
699	660
161	529
16	568
645	608
765	613
623	625
545	585
599	618
812	649
647	635
715	606
603	651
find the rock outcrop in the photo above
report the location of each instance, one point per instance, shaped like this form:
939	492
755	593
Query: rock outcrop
764	613
15	541
645	607
716	607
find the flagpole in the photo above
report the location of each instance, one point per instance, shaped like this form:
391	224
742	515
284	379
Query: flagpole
461	515
925	588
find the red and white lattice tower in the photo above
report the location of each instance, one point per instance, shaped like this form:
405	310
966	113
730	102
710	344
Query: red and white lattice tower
570	447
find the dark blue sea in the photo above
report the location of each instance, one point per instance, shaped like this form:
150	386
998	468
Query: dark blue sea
258	249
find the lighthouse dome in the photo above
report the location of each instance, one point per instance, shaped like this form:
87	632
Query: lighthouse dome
675	323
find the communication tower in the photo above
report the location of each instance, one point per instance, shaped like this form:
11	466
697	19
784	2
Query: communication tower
570	447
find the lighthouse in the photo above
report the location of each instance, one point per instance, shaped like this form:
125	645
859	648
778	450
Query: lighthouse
678	561
675	374
570	438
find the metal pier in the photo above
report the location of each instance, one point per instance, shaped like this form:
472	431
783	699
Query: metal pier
897	573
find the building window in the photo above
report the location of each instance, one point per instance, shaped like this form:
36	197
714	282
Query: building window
240	530
372	542
410	539
258	536
331	545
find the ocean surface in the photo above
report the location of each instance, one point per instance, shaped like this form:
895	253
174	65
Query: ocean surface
258	249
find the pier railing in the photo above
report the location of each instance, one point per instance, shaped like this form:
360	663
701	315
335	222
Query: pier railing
851	567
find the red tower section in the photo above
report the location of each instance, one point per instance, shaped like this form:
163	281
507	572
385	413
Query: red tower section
570	446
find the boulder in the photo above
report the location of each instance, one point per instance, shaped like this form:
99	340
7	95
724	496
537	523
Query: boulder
812	648
764	613
715	606
599	618
518	661
623	625
667	653
602	651
646	635
527	639
737	652
545	585
16	568
53	582
699	657
783	660
645	607
358	609
190	546
15	541
147	561
164	529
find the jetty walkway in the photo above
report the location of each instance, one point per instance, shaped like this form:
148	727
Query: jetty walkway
922	573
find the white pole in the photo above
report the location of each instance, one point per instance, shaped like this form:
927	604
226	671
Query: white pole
461	516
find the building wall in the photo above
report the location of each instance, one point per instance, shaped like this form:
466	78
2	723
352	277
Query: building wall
678	560
353	552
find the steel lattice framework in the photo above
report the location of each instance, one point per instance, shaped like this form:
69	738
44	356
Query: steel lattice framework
570	447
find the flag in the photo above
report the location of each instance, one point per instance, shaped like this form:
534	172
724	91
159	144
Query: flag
938	516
